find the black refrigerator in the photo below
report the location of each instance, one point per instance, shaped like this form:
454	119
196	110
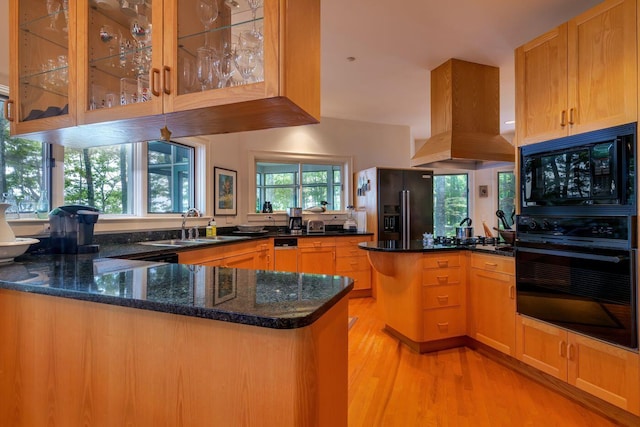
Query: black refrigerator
405	204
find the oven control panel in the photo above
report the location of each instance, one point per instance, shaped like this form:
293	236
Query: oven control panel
592	228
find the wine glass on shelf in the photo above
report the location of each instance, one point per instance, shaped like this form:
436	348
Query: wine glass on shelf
65	10
254	5
204	67
53	8
207	12
223	65
245	57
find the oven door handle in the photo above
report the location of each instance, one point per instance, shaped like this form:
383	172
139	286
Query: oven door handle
581	255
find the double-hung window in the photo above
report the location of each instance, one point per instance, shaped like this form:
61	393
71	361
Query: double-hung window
299	184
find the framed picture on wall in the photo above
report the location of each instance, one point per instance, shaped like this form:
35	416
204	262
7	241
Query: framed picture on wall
225	192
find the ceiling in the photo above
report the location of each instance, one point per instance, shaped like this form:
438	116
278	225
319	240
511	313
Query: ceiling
397	44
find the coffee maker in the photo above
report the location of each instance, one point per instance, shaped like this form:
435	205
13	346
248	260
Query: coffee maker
72	229
295	220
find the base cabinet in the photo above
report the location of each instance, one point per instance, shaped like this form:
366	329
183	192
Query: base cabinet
492	302
352	261
317	255
443	296
603	370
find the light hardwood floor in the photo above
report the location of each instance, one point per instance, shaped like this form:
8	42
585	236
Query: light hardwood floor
391	385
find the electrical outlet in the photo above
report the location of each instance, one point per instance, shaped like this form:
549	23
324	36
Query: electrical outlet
46	228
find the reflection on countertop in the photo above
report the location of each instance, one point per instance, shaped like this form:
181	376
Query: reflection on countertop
254	297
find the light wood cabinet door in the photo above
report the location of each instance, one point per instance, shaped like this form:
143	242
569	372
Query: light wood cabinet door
603	370
243	260
603	67
541	87
264	255
285	259
493	309
320	260
580	76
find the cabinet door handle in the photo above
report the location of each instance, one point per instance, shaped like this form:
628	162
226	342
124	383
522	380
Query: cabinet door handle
512	292
154	86
562	349
166	79
563	118
571	118
570	352
6	110
443	263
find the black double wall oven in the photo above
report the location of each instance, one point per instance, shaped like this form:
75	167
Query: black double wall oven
576	246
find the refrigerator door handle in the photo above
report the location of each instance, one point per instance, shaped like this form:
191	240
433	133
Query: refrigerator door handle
405	199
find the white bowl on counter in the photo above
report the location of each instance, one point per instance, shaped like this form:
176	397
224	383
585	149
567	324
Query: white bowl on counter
10	250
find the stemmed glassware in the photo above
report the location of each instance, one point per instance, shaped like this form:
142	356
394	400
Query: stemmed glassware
246	57
53	8
204	67
254	5
108	37
207	12
65	9
223	65
140	29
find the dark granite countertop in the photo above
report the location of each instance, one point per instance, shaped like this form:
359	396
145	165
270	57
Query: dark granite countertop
417	246
253	297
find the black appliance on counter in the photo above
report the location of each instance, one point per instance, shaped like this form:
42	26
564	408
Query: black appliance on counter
576	246
72	229
405	203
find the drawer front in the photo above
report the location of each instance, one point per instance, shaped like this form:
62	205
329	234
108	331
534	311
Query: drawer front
441	296
361	279
497	263
443	323
352	264
441	276
350	251
352	240
318	242
441	260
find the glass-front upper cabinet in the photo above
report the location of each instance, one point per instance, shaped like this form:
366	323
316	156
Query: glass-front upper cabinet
146	57
120	58
218	51
42	77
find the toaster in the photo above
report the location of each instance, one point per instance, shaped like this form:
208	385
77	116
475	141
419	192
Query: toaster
315	226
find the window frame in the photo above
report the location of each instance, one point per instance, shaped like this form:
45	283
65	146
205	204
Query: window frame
254	157
468	195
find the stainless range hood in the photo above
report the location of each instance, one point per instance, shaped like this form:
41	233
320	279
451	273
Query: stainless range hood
465	119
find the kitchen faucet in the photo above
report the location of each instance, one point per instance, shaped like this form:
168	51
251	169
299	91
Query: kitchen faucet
192	213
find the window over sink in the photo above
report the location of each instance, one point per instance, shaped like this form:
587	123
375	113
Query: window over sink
300	181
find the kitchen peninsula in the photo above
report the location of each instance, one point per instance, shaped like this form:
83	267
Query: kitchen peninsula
422	290
96	341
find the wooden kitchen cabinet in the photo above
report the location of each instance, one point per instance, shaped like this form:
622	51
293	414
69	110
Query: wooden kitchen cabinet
237	255
264	255
603	370
284	89
352	261
580	76
443	296
317	255
492	301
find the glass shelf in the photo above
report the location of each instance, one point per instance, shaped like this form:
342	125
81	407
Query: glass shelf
40	27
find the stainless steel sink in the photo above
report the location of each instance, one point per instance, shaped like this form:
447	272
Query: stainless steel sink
176	243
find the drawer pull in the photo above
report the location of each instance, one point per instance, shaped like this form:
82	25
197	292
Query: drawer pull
317	244
443	325
443	263
491	264
443	299
442	279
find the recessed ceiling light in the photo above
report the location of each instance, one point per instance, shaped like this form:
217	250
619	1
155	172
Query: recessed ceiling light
351	58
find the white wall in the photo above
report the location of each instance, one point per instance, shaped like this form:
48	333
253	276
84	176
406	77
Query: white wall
370	144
